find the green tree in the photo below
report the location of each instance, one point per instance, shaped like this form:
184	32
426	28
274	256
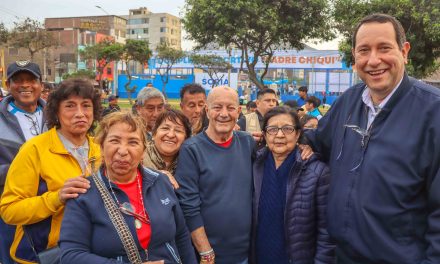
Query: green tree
214	65
30	34
88	74
257	27
134	50
102	53
420	19
4	34
165	59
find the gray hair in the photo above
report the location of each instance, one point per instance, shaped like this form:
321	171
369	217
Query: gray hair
147	93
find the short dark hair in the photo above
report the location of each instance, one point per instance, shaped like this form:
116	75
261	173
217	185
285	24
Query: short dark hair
175	116
76	86
303	89
192	88
314	100
306	119
251	104
265	91
292	104
382	18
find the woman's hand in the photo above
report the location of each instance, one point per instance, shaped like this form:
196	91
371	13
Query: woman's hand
171	178
306	151
72	188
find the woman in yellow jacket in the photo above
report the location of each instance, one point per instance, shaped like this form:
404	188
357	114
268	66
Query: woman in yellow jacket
50	168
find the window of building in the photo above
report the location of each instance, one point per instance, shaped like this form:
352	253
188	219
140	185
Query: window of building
163	40
163	29
137	21
163	19
145	30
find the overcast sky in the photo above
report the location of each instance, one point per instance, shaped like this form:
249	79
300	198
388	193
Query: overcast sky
40	9
14	10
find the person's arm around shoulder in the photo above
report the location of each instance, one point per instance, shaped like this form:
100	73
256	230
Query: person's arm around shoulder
320	139
325	253
19	204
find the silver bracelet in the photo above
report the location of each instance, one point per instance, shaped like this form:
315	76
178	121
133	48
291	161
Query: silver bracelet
206	252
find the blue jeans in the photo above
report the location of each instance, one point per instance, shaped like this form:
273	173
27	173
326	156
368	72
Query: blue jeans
6	238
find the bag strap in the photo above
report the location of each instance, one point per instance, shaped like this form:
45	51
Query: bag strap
118	222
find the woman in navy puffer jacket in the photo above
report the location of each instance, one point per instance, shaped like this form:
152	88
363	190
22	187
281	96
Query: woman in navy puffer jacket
290	197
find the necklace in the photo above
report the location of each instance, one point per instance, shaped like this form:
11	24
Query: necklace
129	209
137	222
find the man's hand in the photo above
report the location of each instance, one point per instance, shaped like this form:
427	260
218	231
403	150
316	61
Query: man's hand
154	262
258	136
171	178
72	188
306	151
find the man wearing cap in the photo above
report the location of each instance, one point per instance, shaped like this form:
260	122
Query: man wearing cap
112	105
21	118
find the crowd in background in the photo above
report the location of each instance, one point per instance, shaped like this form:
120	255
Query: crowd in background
210	183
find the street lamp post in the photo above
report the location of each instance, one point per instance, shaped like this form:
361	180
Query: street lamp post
99	7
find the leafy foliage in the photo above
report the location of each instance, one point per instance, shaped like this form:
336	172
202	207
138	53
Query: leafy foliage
257	27
420	19
30	34
103	53
134	50
166	58
88	74
4	34
215	66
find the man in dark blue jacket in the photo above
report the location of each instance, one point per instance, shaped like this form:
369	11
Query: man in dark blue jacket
214	172
21	118
381	139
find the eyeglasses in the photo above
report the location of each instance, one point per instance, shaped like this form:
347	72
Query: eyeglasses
35	128
273	130
128	209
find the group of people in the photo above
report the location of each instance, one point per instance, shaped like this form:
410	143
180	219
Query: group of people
203	185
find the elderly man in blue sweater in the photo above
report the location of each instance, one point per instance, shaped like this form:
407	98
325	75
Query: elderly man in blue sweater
215	176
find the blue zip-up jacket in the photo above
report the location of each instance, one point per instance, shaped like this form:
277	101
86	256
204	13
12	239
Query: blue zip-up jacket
11	137
384	198
88	235
305	221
